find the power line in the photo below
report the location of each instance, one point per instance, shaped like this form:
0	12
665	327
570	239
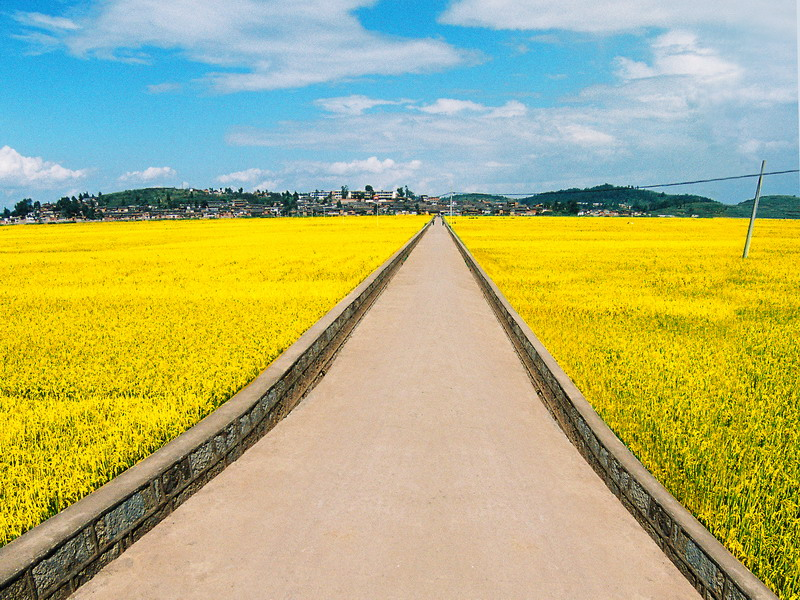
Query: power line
638	187
642	187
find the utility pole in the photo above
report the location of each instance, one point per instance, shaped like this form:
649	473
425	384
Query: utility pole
755	208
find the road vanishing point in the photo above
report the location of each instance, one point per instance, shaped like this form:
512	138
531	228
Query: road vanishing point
422	465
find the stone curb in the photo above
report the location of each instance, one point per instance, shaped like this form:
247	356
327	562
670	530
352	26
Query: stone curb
52	560
703	560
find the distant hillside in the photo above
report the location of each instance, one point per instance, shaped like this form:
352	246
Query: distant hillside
633	200
573	201
609	197
172	197
468	198
769	207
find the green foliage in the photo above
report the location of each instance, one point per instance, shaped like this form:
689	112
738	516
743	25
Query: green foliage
769	207
78	207
612	198
175	197
478	198
609	197
23	208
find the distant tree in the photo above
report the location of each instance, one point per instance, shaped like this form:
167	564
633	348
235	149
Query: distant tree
345	191
370	191
289	203
23	208
339	204
408	193
6	213
68	207
400	192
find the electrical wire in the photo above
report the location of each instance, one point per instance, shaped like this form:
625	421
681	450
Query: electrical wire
615	188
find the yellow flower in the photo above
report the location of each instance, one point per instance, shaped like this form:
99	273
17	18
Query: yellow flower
688	352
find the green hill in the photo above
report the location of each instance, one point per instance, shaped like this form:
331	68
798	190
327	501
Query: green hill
613	198
609	197
467	198
769	207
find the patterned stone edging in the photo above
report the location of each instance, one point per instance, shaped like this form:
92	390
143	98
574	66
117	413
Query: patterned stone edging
53	559
707	564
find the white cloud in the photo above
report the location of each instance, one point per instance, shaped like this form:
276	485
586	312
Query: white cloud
372	165
510	109
620	15
386	173
149	174
586	136
450	106
685	114
249	44
41	21
352	105
756	148
247	176
678	53
21	171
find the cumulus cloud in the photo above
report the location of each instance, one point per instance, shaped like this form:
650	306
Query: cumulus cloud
381	173
678	53
453	107
17	170
247	176
372	165
586	136
352	105
680	108
249	45
450	106
510	109
313	174
150	174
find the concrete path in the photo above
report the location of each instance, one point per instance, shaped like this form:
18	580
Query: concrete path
421	466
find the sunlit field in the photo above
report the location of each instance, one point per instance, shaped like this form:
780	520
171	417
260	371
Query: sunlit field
690	354
117	337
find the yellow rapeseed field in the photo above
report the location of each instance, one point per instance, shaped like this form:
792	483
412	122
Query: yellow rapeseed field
117	337
689	353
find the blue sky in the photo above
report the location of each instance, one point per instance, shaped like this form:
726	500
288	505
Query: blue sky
467	95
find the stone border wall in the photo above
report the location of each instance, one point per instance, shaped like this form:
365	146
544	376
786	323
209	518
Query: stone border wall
707	564
52	560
